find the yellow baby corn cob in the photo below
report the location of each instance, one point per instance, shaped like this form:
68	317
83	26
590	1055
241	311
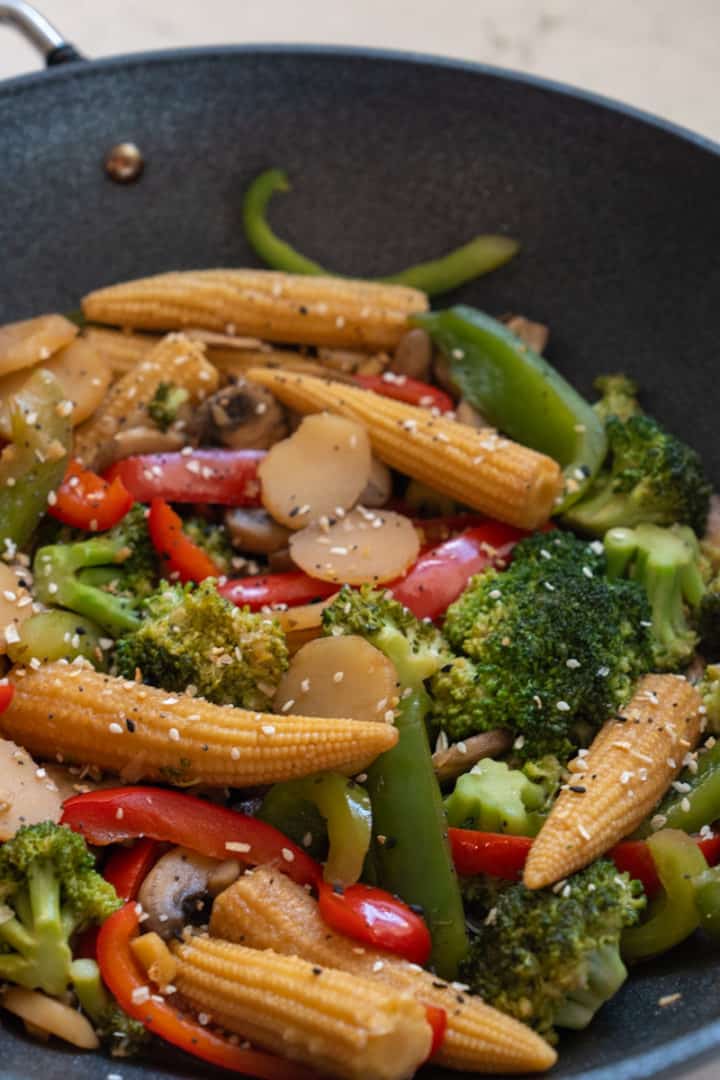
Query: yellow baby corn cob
491	474
174	359
121	351
341	1025
265	909
145	733
262	303
626	771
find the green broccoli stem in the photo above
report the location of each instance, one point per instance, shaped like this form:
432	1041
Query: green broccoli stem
411	850
57	582
604	975
88	985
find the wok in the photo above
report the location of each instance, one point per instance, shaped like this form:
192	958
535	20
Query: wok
395	158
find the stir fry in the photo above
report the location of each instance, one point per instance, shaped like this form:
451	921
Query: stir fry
359	677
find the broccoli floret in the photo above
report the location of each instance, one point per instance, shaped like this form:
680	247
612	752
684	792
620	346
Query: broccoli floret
192	636
555	647
619	397
417	648
552	959
709	689
103	577
492	797
666	562
49	884
480	895
708	616
166	403
650	476
213	538
118	1031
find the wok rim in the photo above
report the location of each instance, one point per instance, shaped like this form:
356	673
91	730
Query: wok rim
701	1044
88	67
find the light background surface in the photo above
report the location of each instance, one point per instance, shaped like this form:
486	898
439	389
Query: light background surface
659	55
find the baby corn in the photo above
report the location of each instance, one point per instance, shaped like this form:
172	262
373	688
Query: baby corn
265	909
628	768
478	468
342	1025
174	359
264	304
145	733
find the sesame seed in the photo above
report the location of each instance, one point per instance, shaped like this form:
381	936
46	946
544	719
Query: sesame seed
338	676
237	845
288	855
234	753
378	965
115	729
269	729
174	734
562	706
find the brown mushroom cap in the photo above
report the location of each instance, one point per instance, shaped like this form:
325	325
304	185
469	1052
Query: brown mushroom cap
241	416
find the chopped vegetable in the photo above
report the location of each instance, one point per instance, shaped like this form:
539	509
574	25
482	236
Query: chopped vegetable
479	256
488	473
25	344
123	1035
47	1014
521	393
226	477
57	635
492	797
337	675
166	403
192	636
630	764
694	801
85	501
28	795
290	589
335	456
362	547
411	391
182	559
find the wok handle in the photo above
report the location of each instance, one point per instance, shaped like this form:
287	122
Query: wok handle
36	29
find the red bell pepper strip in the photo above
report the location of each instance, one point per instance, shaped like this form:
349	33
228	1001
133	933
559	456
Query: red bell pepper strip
376	918
122	974
369	915
403	388
127	868
504	856
437	1019
440	575
182	558
227	477
7	692
85	500
269	590
176	818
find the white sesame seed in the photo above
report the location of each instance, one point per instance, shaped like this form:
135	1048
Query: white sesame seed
338	676
237	845
115	729
288	855
562	706
269	729
174	734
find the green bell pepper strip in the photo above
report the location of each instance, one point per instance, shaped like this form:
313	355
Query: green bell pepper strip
478	257
411	849
34	463
673	915
707	901
703	798
519	392
343	804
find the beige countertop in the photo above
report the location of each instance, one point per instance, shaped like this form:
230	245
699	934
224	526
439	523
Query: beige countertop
659	55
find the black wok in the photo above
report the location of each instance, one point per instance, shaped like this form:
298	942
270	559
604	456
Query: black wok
395	159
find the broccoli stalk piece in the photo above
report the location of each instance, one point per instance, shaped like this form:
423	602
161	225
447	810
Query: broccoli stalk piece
550	647
650	476
50	889
192	636
121	1033
667	563
709	689
553	959
102	578
166	403
492	797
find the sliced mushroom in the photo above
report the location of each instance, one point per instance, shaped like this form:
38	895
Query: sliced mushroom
241	416
176	890
460	757
533	334
378	489
413	355
255	531
143	440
